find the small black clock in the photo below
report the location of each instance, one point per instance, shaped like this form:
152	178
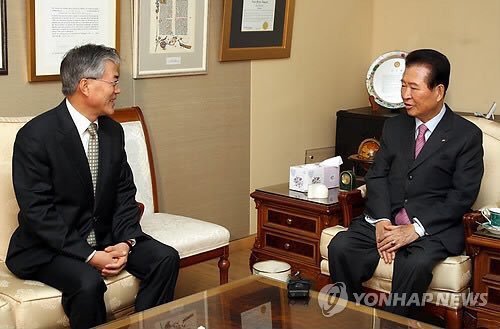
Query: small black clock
347	180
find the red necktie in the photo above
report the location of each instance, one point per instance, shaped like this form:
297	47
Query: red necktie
419	143
402	217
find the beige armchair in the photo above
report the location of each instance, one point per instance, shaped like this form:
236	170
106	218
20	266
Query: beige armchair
31	304
452	277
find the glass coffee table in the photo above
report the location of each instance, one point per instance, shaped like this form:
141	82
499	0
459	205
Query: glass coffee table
257	302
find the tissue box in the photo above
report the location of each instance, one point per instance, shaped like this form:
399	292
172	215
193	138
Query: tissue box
302	176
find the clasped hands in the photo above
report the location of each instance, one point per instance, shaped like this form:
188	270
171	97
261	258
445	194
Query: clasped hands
392	237
111	260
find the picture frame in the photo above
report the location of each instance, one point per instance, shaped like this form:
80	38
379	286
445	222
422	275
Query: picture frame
253	29
257	308
192	314
170	38
3	37
56	26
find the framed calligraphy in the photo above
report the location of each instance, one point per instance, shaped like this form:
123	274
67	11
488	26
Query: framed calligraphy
170	38
56	26
256	29
3	37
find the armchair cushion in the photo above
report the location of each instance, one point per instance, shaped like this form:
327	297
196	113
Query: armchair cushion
138	158
8	216
192	236
6	316
326	236
37	305
489	194
451	276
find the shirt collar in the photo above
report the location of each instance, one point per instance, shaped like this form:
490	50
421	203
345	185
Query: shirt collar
432	123
81	122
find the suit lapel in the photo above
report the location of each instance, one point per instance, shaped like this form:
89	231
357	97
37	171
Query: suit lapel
410	140
71	144
437	140
104	157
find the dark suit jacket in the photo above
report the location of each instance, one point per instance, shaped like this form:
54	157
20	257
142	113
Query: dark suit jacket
437	187
54	190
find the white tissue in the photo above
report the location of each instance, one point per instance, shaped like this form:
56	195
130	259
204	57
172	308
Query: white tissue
335	161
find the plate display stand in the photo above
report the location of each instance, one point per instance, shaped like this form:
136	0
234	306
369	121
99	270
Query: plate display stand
375	107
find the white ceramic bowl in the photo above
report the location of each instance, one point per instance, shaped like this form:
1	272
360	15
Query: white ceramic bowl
273	269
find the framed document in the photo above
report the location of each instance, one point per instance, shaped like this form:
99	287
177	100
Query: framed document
3	37
256	29
170	38
56	26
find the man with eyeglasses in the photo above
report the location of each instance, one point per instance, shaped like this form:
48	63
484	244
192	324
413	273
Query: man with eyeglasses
78	218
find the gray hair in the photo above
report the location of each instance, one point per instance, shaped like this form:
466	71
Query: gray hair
87	61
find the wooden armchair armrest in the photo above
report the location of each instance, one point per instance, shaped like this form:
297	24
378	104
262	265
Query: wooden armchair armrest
352	204
471	222
140	205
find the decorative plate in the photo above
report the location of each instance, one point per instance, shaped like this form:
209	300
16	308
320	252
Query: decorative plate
383	80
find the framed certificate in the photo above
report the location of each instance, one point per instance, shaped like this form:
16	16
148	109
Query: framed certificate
255	29
3	37
56	26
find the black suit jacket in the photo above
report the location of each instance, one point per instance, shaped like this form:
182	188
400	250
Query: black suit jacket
54	191
437	187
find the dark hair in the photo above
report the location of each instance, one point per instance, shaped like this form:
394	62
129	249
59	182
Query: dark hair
85	61
437	63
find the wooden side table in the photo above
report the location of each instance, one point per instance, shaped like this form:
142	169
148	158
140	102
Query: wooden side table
485	248
289	227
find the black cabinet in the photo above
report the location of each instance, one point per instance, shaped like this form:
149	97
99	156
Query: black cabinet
355	125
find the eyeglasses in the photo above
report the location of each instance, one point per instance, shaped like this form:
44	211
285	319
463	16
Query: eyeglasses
113	83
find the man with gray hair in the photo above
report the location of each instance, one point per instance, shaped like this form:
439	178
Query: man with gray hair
78	218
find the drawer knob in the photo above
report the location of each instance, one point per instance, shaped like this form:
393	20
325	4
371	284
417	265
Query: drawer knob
286	246
289	221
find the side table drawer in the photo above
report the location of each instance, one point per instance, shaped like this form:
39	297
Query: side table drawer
491	278
290	220
288	245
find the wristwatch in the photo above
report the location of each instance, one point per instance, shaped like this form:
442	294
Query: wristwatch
130	243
